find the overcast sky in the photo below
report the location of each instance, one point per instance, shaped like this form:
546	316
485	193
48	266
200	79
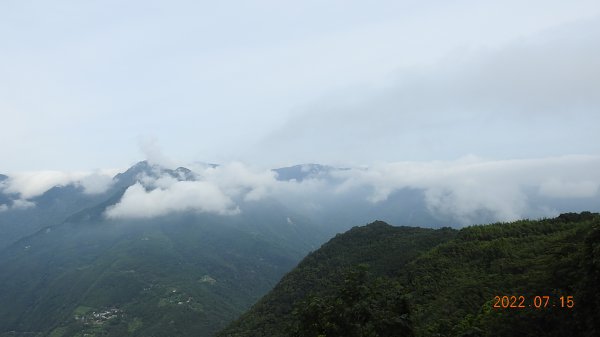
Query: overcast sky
87	84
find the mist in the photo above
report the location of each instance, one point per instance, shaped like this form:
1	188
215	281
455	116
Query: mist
457	191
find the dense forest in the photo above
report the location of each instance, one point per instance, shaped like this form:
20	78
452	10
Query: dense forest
527	278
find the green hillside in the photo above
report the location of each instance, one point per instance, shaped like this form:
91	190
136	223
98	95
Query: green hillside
181	275
441	283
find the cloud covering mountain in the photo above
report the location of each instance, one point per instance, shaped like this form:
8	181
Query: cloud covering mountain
35	183
199	196
457	191
509	189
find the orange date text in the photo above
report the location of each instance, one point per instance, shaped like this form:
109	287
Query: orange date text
537	302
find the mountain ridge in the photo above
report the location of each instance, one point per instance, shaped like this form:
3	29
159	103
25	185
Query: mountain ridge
83	262
450	286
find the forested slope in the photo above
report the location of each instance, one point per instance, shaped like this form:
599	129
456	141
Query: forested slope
441	283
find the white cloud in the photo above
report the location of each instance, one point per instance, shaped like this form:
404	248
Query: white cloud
17	204
238	179
175	69
536	96
32	184
35	183
198	196
22	204
215	191
95	183
462	189
569	189
468	186
153	153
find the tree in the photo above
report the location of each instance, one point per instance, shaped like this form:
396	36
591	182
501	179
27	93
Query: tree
359	307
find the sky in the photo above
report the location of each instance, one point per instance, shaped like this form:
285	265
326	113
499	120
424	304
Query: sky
88	85
484	106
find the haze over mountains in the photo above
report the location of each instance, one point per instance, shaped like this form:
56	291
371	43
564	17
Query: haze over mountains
456	193
177	270
284	124
188	249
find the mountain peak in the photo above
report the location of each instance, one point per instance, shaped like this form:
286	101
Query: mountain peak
132	175
302	171
379	223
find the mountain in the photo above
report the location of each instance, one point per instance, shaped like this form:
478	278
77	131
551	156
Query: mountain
176	252
144	168
334	198
4	199
452	283
51	208
59	202
339	211
78	272
304	171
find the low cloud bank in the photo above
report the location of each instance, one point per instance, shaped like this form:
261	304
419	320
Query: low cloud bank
213	191
16	205
508	189
32	184
201	196
460	190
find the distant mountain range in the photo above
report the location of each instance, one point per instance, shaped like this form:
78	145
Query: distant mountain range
334	198
333	211
68	270
180	252
305	171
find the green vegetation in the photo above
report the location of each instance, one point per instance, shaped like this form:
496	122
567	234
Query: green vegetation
441	283
359	307
68	270
185	275
385	248
191	275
